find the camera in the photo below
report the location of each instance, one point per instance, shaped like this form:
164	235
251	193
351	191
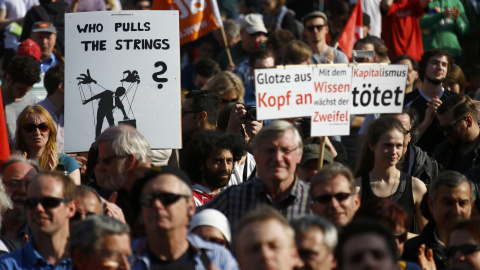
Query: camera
251	112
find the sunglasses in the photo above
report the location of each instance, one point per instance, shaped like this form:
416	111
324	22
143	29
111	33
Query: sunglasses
78	215
448	129
46	202
227	101
340	197
402	237
313	27
466	249
32	127
148	200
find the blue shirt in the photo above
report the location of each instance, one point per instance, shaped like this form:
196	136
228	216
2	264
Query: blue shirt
28	258
47	64
219	256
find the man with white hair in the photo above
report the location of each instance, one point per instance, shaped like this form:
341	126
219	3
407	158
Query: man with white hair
277	151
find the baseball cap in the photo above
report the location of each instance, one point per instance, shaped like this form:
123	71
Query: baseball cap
312	151
314	14
44	27
29	48
253	23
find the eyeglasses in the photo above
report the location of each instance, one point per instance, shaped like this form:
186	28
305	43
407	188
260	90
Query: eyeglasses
408	131
227	101
274	150
106	161
32	127
466	249
186	112
117	258
448	129
340	197
313	27
78	215
14	184
402	237
148	200
46	202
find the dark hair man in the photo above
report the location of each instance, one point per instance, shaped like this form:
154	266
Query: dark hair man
163	199
458	120
264	240
434	68
333	194
100	242
315	29
49	206
204	70
412	74
209	159
199	112
366	245
22	73
450	201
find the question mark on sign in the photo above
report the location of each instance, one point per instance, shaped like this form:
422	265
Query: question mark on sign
156	75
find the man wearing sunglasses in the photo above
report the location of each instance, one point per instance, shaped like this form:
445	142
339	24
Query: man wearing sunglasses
163	199
316	29
450	202
49	206
16	173
22	73
333	194
457	117
463	248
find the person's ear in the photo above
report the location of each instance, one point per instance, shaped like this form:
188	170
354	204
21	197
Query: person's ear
430	203
191	207
79	259
130	161
469	120
202	116
72	208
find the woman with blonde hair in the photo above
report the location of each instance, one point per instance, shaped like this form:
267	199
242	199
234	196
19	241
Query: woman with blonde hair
228	86
35	138
378	176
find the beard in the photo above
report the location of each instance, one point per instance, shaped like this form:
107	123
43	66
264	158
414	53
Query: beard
16	214
215	179
435	81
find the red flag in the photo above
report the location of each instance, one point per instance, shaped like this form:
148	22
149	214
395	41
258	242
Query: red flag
197	18
352	31
4	147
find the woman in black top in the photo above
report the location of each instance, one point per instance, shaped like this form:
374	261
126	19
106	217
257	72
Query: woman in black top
377	175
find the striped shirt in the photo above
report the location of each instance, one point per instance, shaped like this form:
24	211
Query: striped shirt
235	201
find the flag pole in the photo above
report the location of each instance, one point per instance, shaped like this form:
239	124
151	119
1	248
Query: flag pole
226	45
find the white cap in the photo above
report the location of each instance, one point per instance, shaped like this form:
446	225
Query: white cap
214	218
253	23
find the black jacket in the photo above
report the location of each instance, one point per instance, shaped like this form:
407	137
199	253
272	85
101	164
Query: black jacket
418	164
445	152
410	251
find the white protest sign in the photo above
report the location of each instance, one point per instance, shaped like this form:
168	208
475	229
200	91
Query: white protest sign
331	100
122	66
283	92
378	88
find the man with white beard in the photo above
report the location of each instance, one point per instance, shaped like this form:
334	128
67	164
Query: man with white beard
123	156
16	173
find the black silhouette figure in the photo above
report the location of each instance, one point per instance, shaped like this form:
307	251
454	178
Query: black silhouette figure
132	77
106	106
86	79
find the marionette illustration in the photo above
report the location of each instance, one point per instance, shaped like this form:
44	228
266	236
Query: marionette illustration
108	100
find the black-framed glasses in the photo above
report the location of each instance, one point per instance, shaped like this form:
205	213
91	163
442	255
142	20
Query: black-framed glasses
187	112
106	161
448	129
32	127
46	202
466	249
311	28
78	215
148	200
408	131
340	197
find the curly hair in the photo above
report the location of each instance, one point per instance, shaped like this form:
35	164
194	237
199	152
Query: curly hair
205	143
54	77
24	69
20	144
429	54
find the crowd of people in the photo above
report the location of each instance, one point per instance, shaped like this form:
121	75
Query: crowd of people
398	193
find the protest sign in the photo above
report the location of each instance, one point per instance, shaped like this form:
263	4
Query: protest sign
122	67
378	88
283	92
331	100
